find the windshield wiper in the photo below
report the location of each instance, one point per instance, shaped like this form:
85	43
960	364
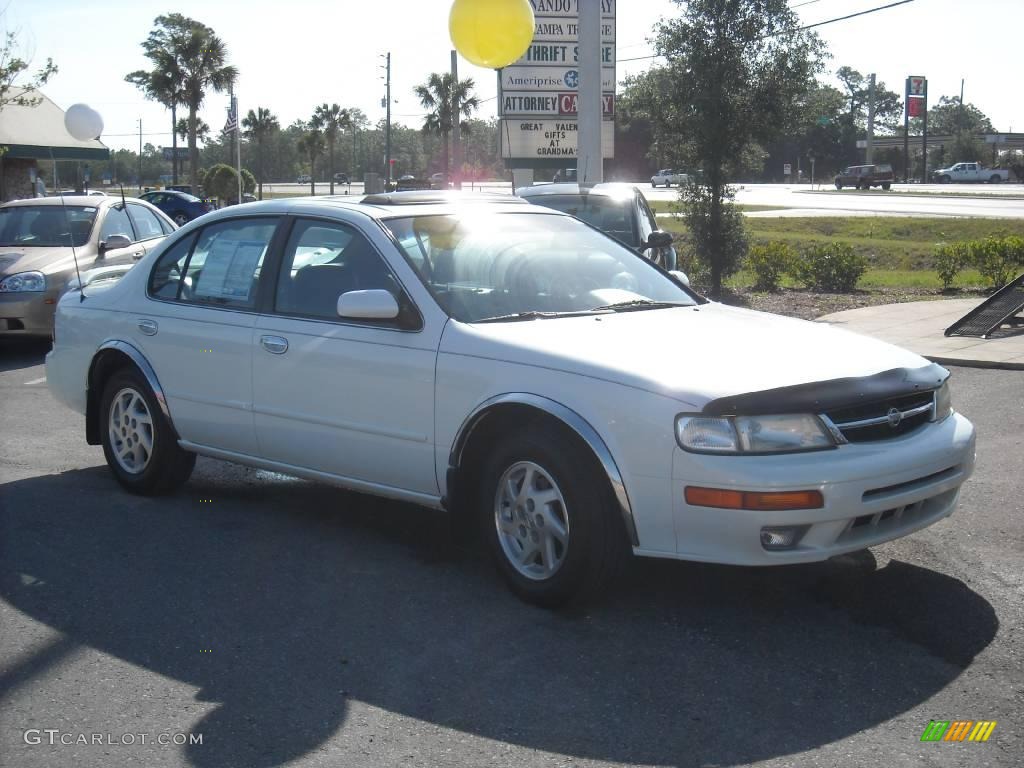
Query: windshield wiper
637	304
530	315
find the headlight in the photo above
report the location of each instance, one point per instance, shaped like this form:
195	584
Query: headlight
23	281
752	434
943	401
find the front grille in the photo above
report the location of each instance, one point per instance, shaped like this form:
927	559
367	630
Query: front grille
871	421
890	522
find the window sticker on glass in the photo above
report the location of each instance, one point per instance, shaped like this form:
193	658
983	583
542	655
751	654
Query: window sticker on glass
229	269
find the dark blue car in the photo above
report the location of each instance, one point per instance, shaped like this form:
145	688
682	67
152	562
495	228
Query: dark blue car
180	206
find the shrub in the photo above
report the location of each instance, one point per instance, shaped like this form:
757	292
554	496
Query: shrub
833	268
769	262
949	259
221	181
711	251
994	258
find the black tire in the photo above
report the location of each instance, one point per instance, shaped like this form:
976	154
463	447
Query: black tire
944	179
653	185
995	178
180	218
886	186
596	544
839	185
168	466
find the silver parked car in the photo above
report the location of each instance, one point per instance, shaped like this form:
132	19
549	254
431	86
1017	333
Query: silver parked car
37	237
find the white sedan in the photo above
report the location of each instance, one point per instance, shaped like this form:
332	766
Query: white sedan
510	364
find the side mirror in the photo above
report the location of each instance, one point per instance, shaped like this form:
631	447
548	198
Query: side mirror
368	305
659	239
680	276
113	242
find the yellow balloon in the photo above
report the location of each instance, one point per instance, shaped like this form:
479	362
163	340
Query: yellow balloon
491	33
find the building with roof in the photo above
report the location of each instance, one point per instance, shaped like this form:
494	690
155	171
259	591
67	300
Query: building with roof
29	134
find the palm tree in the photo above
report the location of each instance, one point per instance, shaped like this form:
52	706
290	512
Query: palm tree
258	125
330	119
202	129
191	52
312	144
437	95
163	85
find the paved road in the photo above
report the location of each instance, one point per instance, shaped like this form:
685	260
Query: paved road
982	200
289	622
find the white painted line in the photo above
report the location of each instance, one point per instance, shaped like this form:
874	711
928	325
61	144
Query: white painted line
35	381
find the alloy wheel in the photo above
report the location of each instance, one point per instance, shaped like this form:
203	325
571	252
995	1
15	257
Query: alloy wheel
531	520
130	427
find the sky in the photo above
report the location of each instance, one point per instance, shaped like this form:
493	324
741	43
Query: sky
297	54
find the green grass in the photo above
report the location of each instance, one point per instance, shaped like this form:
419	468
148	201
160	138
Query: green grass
889	243
670	206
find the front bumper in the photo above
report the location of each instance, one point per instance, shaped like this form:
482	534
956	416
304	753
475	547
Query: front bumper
27	314
874	492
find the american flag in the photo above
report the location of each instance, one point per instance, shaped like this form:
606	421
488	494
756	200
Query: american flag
232	123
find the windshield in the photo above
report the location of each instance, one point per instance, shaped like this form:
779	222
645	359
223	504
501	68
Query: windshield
609	214
484	265
41	226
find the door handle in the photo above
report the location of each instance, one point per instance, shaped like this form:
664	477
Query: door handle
275	345
136	255
148	327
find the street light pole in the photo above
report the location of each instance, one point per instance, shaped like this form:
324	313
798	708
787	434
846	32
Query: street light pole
140	155
589	162
387	125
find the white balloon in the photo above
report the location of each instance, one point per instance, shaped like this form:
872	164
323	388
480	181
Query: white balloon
83	122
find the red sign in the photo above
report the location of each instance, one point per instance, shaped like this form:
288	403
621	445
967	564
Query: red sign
915	106
567	104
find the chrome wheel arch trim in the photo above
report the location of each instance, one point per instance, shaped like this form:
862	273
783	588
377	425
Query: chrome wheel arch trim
144	367
571	419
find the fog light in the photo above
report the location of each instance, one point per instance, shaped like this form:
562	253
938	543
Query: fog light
782	536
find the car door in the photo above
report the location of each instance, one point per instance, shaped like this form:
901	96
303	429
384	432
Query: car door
116	221
149	230
351	398
197	329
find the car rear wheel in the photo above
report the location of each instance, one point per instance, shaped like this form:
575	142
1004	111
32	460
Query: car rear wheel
138	441
886	186
995	178
839	185
550	527
180	219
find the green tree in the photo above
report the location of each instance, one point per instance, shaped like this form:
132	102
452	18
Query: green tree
13	67
258	126
735	69
162	84
439	95
963	123
191	51
330	119
888	105
311	145
202	129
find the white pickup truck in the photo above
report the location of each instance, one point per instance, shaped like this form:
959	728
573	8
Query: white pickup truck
970	172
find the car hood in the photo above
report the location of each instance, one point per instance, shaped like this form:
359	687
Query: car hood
46	260
693	354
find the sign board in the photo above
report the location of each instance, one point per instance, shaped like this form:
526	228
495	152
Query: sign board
915	106
995	138
548	139
168	153
537	95
787	169
916	85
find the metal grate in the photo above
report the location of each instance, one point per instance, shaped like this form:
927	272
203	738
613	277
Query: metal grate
997	309
883	419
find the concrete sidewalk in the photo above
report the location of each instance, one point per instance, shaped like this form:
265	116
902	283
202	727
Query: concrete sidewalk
919	325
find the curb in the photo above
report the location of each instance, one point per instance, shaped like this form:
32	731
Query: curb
963	363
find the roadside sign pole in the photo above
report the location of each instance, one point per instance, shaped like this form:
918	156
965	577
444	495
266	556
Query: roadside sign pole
906	132
924	135
589	165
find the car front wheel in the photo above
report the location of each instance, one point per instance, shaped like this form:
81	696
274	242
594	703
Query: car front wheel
180	219
551	528
138	441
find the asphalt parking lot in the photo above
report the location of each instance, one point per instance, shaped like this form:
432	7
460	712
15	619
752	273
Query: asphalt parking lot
293	623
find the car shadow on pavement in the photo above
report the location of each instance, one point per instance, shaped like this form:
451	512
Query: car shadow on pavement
311	597
16	354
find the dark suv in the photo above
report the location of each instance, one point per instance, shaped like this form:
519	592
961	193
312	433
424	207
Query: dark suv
866	176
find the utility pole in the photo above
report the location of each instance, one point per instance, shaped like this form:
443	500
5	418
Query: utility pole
456	141
387	125
174	144
140	155
871	119
924	137
589	161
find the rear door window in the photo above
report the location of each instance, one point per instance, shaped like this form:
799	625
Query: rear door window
224	268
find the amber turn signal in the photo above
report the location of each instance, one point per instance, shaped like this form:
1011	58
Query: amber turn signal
758	500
